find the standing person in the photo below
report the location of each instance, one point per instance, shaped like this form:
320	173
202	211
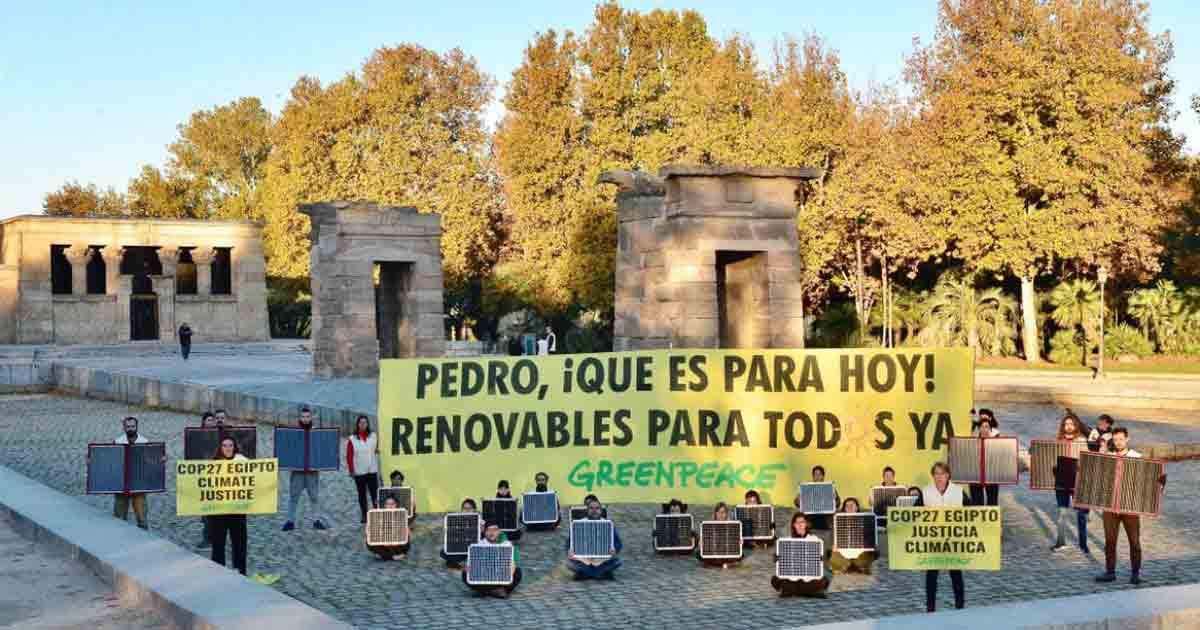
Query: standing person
493	536
551	341
1100	438
793	588
861	563
233	524
121	502
586	569
362	462
942	493
207	421
1070	429
543	346
221	418
185	340
302	481
1132	523
986	493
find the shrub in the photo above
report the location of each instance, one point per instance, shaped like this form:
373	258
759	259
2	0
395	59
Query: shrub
1065	348
1124	339
290	320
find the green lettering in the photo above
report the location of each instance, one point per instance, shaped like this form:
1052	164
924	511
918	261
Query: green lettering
604	471
705	478
665	471
645	471
581	475
686	470
624	472
766	475
725	476
745	476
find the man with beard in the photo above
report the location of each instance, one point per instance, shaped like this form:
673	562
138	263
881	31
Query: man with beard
493	536
586	569
542	484
121	502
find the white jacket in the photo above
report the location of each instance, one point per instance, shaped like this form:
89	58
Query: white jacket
361	458
952	498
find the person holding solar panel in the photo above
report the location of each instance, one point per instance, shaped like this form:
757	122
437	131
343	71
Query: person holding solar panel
232	524
493	536
503	491
794	588
122	502
455	560
541	483
986	493
596	569
720	513
302	481
388	552
839	563
752	498
1070	429
1113	521
674	506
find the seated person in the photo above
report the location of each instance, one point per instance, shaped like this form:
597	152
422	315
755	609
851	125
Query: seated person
915	493
397	479
889	479
455	560
674	506
592	497
752	498
720	513
504	492
389	552
819	522
793	588
595	569
493	536
841	564
541	483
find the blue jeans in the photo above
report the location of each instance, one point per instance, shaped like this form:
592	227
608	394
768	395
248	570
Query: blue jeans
1063	499
594	571
302	482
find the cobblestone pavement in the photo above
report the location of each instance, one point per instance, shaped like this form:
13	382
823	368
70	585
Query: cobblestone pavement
41	590
43	436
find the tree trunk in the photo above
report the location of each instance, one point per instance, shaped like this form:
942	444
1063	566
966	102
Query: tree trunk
1029	337
859	298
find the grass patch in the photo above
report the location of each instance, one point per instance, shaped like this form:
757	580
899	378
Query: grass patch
1153	365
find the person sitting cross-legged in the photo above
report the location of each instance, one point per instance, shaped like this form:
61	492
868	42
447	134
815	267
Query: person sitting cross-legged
389	552
589	569
493	536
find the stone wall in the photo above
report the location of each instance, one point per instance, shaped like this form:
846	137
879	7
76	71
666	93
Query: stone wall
675	233
349	238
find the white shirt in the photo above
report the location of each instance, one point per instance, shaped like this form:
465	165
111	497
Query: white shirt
552	339
1130	453
952	498
365	461
543	346
124	439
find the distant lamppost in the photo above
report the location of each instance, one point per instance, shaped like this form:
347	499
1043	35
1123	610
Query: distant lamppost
1103	274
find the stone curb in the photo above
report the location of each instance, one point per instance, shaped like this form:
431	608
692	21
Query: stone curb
145	570
1087	376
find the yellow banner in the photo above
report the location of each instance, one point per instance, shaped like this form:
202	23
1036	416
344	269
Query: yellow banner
238	486
697	425
963	538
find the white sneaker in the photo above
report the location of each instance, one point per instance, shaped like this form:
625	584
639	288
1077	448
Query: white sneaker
1058	548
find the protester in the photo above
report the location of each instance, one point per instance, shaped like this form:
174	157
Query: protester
1113	522
233	524
208	420
503	491
720	513
889	477
986	493
541	483
794	588
1070	429
397	481
493	536
752	498
389	552
595	569
221	418
674	506
1100	438
839	563
304	481
122	501
185	340
455	560
362	462
942	493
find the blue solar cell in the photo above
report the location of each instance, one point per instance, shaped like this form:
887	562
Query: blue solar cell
289	447
106	469
106	473
322	449
147	471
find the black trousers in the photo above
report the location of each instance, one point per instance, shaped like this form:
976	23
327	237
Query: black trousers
931	586
508	587
235	526
985	494
368	483
186	349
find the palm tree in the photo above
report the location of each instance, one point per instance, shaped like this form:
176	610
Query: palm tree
958	314
1157	310
1076	304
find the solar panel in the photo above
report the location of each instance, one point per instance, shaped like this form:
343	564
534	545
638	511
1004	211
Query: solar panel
854	533
721	540
387	528
106	469
202	442
461	531
121	468
490	565
906	501
503	511
800	558
592	539
402	494
1119	484
539	507
758	521
673	532
321	447
147	471
1043	460
984	460
818	498
884	497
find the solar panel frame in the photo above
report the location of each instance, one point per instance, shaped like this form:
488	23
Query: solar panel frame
761	519
538	503
126	468
403	495
677	528
457	530
817	497
1122	485
105	472
991	460
800	559
490	564
906	501
1043	460
502	510
884	497
202	442
592	539
323	452
387	528
721	540
148	470
849	539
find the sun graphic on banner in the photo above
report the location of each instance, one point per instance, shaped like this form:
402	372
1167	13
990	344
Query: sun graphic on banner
856	434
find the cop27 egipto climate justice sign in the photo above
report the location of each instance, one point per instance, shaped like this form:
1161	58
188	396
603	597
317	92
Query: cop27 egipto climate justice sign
698	425
963	538
206	487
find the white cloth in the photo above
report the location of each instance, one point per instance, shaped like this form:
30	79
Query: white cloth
1130	453
552	339
365	459
124	439
952	498
543	346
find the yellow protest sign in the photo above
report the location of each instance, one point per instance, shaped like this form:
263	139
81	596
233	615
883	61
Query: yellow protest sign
697	425
963	538
236	486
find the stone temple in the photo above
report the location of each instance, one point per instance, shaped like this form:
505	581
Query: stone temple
707	257
67	280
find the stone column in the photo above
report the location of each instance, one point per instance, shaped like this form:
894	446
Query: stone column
78	256
203	258
112	267
168	257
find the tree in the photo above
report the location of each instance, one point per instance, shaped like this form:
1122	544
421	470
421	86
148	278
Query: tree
1076	307
166	196
223	153
1045	112
1157	310
959	314
75	200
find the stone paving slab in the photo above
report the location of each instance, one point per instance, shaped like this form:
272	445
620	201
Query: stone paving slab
43	436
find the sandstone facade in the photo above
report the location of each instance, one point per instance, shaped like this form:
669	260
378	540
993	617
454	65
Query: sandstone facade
376	286
707	257
76	280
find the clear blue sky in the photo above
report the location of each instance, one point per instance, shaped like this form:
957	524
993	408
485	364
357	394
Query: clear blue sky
92	92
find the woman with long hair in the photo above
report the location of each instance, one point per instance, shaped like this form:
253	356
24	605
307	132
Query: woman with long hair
232	524
721	512
861	563
986	493
792	588
362	462
1070	429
